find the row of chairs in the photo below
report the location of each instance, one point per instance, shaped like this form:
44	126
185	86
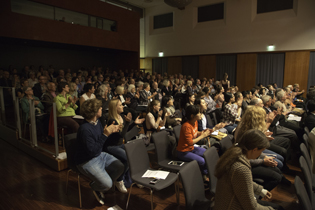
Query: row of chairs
161	144
306	192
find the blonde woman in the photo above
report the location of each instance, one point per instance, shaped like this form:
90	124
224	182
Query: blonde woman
114	144
268	165
73	90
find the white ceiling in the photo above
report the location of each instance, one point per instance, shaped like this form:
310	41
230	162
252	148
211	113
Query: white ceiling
144	3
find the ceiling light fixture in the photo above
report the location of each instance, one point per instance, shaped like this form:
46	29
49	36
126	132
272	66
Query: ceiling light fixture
271	47
161	54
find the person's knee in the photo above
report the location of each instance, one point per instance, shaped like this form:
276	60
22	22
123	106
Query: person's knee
115	169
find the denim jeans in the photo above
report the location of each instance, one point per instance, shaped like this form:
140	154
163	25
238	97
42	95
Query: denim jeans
102	170
278	157
230	128
196	154
119	153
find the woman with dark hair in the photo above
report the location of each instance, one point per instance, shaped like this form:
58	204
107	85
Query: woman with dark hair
246	96
225	82
210	102
189	135
168	106
190	99
154	117
89	93
219	95
235	186
229	112
203	123
66	107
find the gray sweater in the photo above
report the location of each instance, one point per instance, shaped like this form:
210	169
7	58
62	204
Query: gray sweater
235	189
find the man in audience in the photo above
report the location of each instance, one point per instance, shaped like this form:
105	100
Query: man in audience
256	102
275	126
48	97
100	79
156	89
145	95
40	88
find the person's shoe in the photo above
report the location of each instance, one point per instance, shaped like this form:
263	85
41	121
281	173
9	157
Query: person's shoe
121	186
139	185
99	197
285	181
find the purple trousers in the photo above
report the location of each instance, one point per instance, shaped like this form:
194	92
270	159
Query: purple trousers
195	154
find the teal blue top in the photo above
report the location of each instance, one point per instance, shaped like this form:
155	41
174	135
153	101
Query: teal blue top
26	107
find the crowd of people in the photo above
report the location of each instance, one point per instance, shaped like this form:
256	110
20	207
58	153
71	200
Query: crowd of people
112	102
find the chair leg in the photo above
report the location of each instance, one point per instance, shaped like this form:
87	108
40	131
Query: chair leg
129	195
63	138
151	194
67	181
177	190
79	191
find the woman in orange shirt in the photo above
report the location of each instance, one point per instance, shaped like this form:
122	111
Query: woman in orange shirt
189	135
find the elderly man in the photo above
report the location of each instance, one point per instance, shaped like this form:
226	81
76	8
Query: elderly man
40	88
48	97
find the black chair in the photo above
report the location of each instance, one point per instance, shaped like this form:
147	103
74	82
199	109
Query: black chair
132	133
211	157
138	159
302	194
194	187
176	130
307	157
307	131
308	181
163	150
226	143
70	144
305	141
209	120
151	146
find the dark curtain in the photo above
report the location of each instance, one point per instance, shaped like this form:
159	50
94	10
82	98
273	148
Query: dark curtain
190	66
159	65
226	64
270	69
311	71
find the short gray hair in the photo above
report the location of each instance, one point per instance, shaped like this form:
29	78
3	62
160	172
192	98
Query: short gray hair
130	87
280	94
265	98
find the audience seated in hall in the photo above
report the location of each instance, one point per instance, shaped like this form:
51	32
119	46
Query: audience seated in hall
124	94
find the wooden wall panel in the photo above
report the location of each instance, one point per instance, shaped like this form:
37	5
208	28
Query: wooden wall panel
127	36
174	65
246	71
207	65
296	69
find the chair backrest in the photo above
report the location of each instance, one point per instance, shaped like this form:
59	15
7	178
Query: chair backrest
132	133
71	148
176	130
308	178
162	145
307	131
302	194
138	157
209	121
211	157
213	117
306	155
193	184
305	140
226	143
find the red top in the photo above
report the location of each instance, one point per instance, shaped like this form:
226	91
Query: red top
188	132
